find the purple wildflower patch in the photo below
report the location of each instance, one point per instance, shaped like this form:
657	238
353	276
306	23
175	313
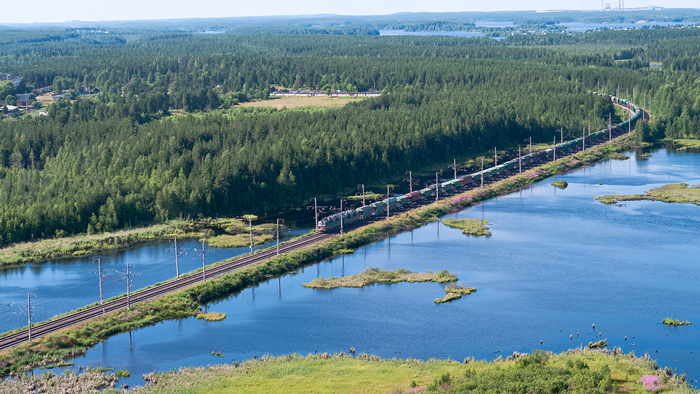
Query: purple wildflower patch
651	383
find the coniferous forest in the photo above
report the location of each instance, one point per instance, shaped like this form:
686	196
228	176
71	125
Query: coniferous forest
151	127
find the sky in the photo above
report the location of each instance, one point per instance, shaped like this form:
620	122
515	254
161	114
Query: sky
108	10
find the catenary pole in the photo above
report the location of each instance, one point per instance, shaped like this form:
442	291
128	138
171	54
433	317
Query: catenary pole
177	265
278	235
204	265
250	229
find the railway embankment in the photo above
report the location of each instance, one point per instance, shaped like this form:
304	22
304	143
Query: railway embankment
69	342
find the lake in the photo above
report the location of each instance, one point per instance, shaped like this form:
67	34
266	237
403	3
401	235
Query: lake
557	263
63	285
575	26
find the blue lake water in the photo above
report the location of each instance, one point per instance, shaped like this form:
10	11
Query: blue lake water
557	262
430	33
63	285
575	26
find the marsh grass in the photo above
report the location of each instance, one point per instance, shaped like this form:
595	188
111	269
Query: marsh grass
600	344
83	245
372	276
680	193
595	371
238	241
619	156
475	227
454	292
212	316
685	144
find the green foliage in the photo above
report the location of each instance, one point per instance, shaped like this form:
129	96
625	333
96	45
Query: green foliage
675	323
454	292
475	227
373	275
600	344
560	184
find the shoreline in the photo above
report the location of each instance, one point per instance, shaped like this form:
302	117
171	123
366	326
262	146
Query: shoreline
588	370
186	302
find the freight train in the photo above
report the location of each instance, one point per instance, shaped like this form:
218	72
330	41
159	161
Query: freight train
379	208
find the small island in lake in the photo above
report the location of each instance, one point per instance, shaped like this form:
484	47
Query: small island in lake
475	227
455	292
679	193
560	184
675	323
374	275
211	316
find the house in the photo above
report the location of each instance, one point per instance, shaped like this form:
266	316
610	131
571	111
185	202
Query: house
11	109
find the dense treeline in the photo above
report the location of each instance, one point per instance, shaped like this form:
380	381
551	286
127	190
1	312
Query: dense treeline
69	173
119	158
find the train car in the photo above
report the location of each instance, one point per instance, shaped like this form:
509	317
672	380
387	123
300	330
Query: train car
489	173
529	158
402	201
333	222
414	196
364	211
549	152
427	192
379	207
465	180
500	169
509	165
446	186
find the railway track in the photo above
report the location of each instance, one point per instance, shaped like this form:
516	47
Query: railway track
62	322
183	282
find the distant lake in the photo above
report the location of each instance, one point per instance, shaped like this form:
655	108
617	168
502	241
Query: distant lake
592	26
465	34
494	24
430	33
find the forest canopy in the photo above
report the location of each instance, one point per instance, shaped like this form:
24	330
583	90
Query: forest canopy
150	128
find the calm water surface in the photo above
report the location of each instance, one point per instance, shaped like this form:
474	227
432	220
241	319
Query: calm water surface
557	262
66	284
430	33
575	26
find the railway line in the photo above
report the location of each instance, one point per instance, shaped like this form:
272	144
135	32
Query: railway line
62	322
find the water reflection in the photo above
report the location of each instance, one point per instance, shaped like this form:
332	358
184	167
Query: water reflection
62	285
554	265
